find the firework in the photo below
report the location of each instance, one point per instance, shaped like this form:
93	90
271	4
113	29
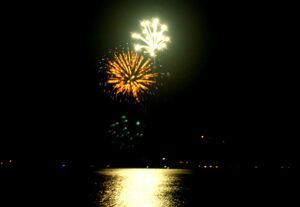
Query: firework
125	133
152	36
128	74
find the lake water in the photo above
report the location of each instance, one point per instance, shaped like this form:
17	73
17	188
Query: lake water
143	187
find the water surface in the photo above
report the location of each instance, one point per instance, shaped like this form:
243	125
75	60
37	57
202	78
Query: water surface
142	187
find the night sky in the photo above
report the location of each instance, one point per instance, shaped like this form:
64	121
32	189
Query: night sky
229	79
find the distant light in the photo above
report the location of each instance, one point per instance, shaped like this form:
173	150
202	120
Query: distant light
217	166
63	165
202	136
187	162
10	161
163	158
205	166
108	166
199	166
165	166
147	166
255	166
181	162
282	167
123	117
210	166
138	123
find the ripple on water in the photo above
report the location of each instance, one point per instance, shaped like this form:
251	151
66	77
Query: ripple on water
142	187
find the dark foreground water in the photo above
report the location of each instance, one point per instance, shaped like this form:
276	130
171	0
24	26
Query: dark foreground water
143	187
181	187
147	187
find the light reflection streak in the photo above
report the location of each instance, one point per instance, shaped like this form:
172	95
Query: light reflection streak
141	187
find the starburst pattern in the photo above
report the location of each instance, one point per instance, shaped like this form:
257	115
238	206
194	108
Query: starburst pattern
130	73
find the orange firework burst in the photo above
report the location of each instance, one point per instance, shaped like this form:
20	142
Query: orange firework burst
130	73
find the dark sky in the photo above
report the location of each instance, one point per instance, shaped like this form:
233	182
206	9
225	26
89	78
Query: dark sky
228	63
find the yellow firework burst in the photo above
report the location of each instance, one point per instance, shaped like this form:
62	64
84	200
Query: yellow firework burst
130	73
152	37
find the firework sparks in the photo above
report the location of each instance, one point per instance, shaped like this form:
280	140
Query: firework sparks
130	74
152	36
125	133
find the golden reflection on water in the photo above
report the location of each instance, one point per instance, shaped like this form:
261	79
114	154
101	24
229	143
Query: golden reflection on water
140	187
